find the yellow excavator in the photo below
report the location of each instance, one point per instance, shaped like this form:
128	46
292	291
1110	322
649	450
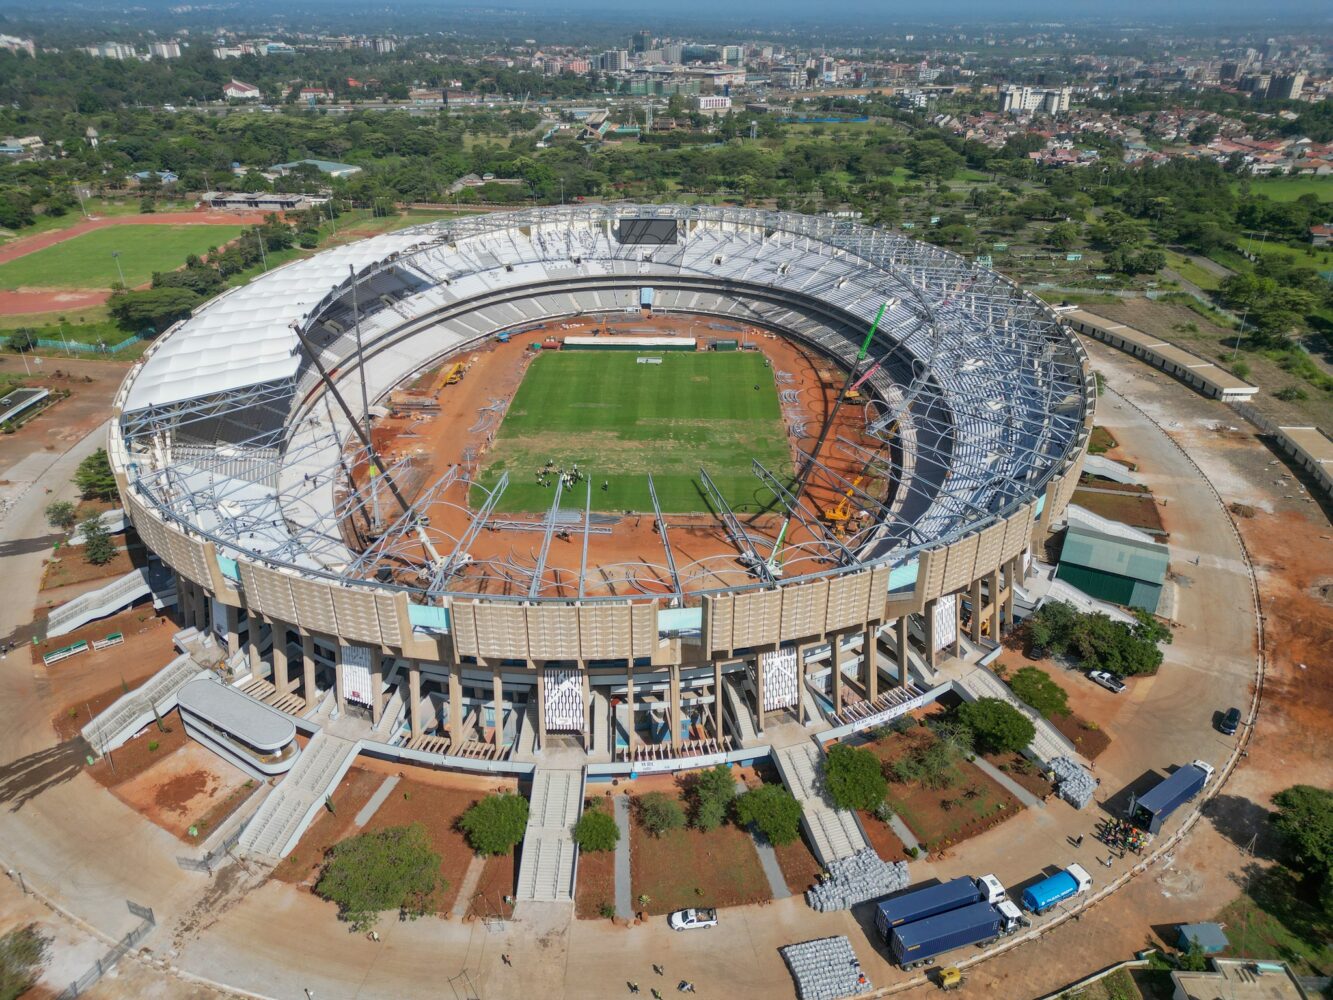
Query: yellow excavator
838	516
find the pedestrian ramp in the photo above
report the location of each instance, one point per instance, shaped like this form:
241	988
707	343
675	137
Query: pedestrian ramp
129	713
834	833
546	868
738	710
107	600
291	807
1047	743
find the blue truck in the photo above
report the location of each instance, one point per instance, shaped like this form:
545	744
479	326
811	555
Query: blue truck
1150	810
920	941
1063	885
926	902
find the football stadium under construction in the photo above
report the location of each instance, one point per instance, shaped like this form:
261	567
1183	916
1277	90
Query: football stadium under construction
637	481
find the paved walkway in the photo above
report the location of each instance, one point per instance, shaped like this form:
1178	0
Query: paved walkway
768	858
1014	788
471	878
903	832
370	808
624	897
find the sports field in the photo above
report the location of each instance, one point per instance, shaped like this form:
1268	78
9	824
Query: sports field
86	262
619	420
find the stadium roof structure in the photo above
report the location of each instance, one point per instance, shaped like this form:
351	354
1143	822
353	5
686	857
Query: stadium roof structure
224	431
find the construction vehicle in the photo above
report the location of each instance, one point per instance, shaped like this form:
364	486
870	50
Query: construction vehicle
838	516
854	398
950	978
450	374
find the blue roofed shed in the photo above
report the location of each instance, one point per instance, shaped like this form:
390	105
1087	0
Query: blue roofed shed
1212	939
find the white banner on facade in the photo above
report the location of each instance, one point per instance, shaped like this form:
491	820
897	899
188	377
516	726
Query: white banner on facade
356	673
780	678
946	621
219	613
564	700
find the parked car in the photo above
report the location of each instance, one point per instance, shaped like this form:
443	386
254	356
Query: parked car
688	920
1107	680
1230	722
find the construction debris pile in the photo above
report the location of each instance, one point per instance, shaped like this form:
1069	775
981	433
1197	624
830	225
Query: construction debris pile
852	880
1072	783
825	969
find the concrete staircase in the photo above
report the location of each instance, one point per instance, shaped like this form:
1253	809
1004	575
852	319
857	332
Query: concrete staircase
290	808
130	712
1048	741
834	833
739	710
107	600
392	715
525	742
546	870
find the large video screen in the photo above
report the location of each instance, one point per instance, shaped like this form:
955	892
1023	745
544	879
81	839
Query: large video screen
647	232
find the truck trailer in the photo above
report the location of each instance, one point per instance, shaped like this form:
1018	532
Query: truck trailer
1073	881
1150	810
916	943
918	904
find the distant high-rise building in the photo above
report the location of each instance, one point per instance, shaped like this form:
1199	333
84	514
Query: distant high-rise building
1229	72
641	41
1018	100
733	55
385	45
673	53
614	61
1285	87
165	50
112	50
13	44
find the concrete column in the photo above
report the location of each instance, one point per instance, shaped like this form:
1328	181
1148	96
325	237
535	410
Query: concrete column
976	611
497	704
957	624
281	679
836	660
673	709
629	704
901	629
932	639
587	708
717	700
310	690
414	696
869	655
233	639
541	707
256	661
376	687
758	696
338	680
802	674
456	705
1011	581
995	604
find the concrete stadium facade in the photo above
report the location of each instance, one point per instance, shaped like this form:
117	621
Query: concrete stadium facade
228	439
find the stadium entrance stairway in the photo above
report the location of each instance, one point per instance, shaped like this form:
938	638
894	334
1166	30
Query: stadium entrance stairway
292	805
546	869
834	833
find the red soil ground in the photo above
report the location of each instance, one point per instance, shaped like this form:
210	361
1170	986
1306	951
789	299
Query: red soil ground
597	871
440	440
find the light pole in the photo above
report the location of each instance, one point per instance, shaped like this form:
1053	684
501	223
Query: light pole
115	255
259	238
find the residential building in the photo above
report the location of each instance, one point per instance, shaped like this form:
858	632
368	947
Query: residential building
1237	979
385	45
714	104
165	50
641	41
18	44
1285	88
1322	236
111	50
1020	100
613	61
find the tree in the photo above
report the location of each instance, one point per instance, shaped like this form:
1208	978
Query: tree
854	777
1036	688
60	514
659	813
93	477
1304	818
1062	236
393	869
155	307
98	548
23	952
997	725
496	823
773	811
711	794
596	830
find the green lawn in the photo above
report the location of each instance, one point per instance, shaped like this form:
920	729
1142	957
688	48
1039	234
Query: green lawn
619	420
86	261
1191	271
1291	188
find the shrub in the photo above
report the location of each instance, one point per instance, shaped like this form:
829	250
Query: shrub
596	831
711	794
60	514
1291	394
659	812
384	870
607	910
153	745
884	812
854	778
1037	689
997	725
773	810
23	952
496	823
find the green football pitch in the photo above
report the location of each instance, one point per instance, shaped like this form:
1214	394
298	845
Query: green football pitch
619	420
86	261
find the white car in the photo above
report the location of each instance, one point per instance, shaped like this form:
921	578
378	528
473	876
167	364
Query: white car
1107	680
688	920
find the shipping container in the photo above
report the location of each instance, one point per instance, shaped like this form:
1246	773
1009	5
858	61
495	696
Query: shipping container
918	904
1151	809
920	941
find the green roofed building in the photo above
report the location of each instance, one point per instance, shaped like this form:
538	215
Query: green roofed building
1119	570
323	166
